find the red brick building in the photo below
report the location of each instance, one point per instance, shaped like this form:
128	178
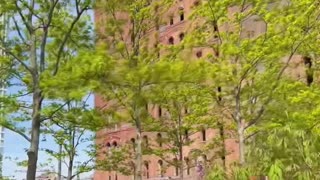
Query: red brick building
172	33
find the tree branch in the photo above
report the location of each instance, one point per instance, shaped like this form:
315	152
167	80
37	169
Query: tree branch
65	39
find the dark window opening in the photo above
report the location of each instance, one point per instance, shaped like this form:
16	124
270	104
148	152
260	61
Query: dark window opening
204	137
182	17
159	111
181	36
116	177
196	3
109	177
215	26
307	61
108	145
171	21
216	53
219	94
146	165
114	144
159	139
186	134
186	111
199	54
171	41
309	72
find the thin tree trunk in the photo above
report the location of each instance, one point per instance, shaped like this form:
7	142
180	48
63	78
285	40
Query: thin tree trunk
180	143
36	106
138	163
35	136
60	163
240	123
181	162
241	145
223	145
70	169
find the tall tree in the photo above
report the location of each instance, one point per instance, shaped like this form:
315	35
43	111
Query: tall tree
44	35
126	23
248	63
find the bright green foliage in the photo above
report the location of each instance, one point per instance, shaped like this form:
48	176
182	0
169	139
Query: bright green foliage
250	69
183	113
69	132
44	35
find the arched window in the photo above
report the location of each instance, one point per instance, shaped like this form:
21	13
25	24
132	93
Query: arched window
108	145
145	141
181	16
181	36
203	134
146	166
186	134
159	139
199	54
159	111
171	41
160	168
114	144
171	20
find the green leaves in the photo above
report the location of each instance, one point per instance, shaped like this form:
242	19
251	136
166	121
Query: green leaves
275	171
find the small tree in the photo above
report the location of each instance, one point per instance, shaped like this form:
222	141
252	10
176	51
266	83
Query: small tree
183	107
72	138
45	36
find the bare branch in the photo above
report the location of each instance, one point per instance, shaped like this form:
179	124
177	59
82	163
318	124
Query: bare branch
15	130
65	39
19	30
28	26
55	111
45	35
